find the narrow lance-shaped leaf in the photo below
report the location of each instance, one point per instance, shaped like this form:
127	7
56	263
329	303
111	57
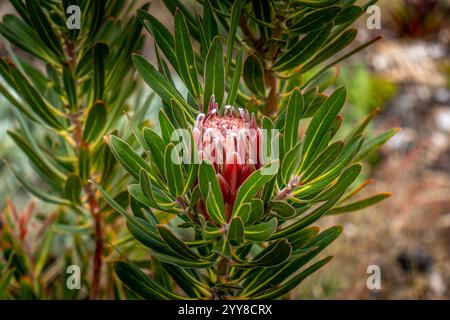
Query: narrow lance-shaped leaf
84	164
162	35
214	77
69	85
316	19
234	21
72	189
47	113
236	231
129	159
253	184
330	50
156	146
209	24
95	122
295	281
43	27
99	55
374	143
362	204
261	231
160	85
176	244
235	81
37	192
303	50
279	253
292	121
142	284
185	55
254	75
173	171
322	122
210	190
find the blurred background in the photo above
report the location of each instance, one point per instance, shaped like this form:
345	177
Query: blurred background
406	76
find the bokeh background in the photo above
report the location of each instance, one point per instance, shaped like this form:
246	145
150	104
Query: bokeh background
406	76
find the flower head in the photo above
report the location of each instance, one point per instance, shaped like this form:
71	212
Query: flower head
230	141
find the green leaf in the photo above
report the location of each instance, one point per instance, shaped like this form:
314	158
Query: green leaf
344	181
69	85
177	245
97	18
236	231
307	220
46	169
141	283
171	259
156	146
173	171
209	24
99	55
262	231
360	129
84	164
186	281
25	37
348	15
176	5
72	189
291	284
38	192
362	204
162	36
142	230
214	77
234	21
235	81
256	211
303	50
322	161
167	127
253	184
37	103
278	253
43	27
185	55
292	121
43	254
161	85
331	50
129	159
283	208
316	19
317	3
210	191
147	189
374	143
322	122
291	162
95	122
223	248
254	76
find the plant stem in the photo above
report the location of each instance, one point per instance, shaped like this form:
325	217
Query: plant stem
97	259
271	99
92	203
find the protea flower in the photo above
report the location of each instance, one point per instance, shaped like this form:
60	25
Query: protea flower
231	142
